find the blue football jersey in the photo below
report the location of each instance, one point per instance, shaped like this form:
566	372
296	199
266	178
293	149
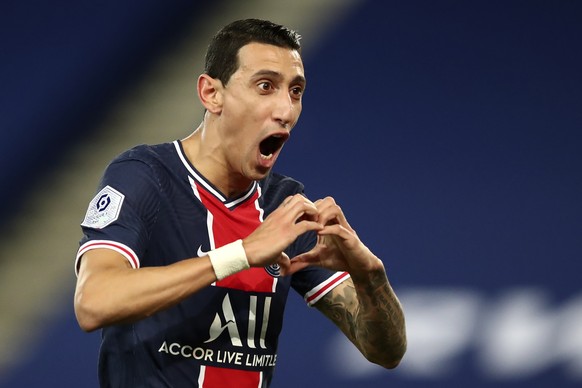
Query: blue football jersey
155	208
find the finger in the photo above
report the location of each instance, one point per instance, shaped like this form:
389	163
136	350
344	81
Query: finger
306	257
292	200
312	257
309	214
330	213
289	267
294	209
302	208
302	226
337	230
296	266
297	198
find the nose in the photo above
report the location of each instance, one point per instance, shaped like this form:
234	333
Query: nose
285	111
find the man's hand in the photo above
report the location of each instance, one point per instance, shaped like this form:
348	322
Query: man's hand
364	307
295	216
338	246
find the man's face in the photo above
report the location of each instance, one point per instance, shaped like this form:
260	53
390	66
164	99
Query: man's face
261	104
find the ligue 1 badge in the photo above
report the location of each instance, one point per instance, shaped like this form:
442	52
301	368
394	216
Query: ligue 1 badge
104	208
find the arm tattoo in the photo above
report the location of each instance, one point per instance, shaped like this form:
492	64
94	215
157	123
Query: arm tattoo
371	317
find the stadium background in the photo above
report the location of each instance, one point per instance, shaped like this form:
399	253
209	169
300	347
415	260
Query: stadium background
449	132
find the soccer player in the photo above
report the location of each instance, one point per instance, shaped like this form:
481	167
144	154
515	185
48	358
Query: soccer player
190	247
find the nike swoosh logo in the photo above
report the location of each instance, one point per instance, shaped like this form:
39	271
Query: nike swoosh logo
201	252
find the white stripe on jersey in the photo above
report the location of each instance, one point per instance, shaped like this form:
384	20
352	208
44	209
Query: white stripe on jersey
322	289
201	375
126	251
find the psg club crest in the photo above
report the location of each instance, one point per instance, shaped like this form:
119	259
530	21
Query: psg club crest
274	270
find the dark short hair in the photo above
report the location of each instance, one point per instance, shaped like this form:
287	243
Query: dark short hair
222	54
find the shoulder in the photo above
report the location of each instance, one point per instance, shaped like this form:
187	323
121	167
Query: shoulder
148	154
145	159
141	168
280	185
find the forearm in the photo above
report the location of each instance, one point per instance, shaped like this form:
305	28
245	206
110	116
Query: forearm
367	310
378	322
114	294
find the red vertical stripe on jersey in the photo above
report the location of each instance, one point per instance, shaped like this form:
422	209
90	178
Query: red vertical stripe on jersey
223	378
230	225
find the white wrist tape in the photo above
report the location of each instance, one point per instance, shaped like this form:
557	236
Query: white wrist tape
228	259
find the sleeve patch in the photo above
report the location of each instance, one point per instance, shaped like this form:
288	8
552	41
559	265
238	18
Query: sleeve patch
104	208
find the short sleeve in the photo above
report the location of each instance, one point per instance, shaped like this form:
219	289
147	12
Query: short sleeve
122	213
312	283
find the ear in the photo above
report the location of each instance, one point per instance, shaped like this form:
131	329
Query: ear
210	93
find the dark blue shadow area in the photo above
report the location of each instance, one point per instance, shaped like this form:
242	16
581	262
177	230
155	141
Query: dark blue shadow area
65	357
63	64
459	123
450	133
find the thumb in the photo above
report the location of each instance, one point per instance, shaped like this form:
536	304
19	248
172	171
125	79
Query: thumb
297	265
289	267
313	257
284	263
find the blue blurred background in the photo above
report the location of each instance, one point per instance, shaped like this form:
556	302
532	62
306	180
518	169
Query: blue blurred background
449	131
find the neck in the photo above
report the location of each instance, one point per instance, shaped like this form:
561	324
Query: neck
207	156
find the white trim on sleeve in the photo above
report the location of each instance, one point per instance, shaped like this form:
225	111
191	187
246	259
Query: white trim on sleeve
329	284
126	251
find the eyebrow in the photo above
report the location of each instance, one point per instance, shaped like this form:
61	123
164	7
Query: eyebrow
299	79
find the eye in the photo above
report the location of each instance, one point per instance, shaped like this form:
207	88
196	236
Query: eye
297	92
265	86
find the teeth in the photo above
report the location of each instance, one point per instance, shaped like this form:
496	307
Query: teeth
266	157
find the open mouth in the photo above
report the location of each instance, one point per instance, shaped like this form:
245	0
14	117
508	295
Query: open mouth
272	144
